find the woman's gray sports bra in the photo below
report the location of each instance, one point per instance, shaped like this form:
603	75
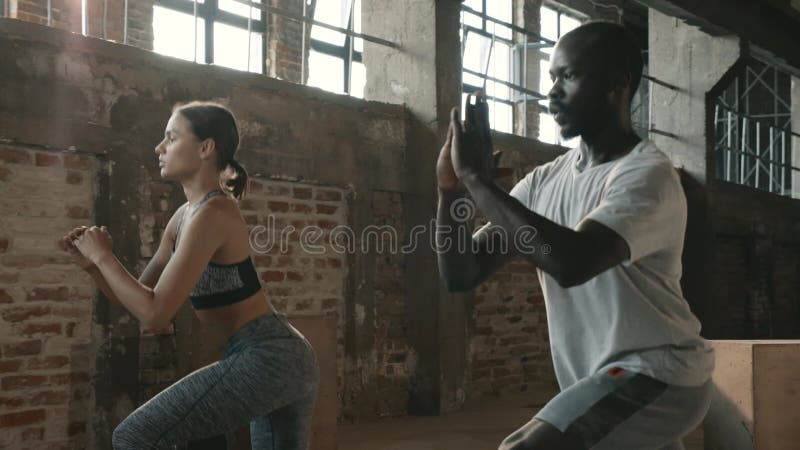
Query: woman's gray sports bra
221	284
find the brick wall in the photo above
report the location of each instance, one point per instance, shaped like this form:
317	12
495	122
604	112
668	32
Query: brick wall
391	344
284	42
756	277
67	15
46	302
298	281
509	348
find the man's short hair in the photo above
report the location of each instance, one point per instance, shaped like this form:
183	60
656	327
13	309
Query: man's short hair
617	46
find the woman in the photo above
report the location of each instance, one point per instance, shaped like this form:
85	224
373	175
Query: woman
269	374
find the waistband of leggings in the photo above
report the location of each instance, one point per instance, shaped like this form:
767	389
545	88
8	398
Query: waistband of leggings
268	326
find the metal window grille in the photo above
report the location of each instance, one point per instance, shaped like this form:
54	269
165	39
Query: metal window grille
503	87
753	138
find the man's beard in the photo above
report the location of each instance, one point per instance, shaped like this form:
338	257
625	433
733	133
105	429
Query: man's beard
588	123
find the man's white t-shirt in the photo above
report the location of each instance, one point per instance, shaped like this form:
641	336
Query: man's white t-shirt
633	315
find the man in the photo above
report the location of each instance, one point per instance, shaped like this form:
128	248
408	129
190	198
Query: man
610	217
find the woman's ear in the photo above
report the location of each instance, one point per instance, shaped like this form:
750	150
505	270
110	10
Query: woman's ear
207	148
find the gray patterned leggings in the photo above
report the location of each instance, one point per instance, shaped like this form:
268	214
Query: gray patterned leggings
268	377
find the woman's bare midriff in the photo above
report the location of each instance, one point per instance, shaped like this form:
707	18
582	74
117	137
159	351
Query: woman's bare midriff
230	318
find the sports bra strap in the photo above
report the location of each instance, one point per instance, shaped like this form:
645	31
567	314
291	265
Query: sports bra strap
194	209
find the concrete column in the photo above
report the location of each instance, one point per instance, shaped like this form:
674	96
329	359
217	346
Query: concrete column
795	141
694	61
526	119
425	75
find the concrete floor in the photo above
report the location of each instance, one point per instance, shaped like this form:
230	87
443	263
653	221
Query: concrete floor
481	425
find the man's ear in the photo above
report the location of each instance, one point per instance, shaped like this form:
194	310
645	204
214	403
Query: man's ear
623	80
621	86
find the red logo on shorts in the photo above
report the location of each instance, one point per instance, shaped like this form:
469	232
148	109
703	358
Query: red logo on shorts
615	371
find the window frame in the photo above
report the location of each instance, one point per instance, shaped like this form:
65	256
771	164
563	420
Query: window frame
343	52
484	31
210	12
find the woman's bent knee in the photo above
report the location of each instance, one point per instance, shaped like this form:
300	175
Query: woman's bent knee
126	437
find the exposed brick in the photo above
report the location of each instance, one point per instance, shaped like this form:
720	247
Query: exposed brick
279	291
60	293
10	365
77	212
301	208
50	398
14	156
278	206
329	303
40	328
262	260
326	209
33	347
32	434
21	381
294	276
74	177
328	195
70	378
284	261
254	186
18	419
9	277
334	262
5	297
71	313
272	275
301	193
277	190
48	362
11	402
77	162
46	159
5	174
327	224
20	313
75	428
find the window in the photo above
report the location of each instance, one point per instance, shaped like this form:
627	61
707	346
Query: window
554	24
335	59
486	37
492	61
219	35
640	103
752	118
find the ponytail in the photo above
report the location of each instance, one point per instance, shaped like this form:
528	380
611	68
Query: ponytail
236	184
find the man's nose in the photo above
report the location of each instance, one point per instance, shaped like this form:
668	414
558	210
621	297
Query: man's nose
555	91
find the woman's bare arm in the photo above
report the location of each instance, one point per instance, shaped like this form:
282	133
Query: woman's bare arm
152	272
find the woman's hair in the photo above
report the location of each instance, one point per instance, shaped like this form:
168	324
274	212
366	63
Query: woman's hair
214	121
